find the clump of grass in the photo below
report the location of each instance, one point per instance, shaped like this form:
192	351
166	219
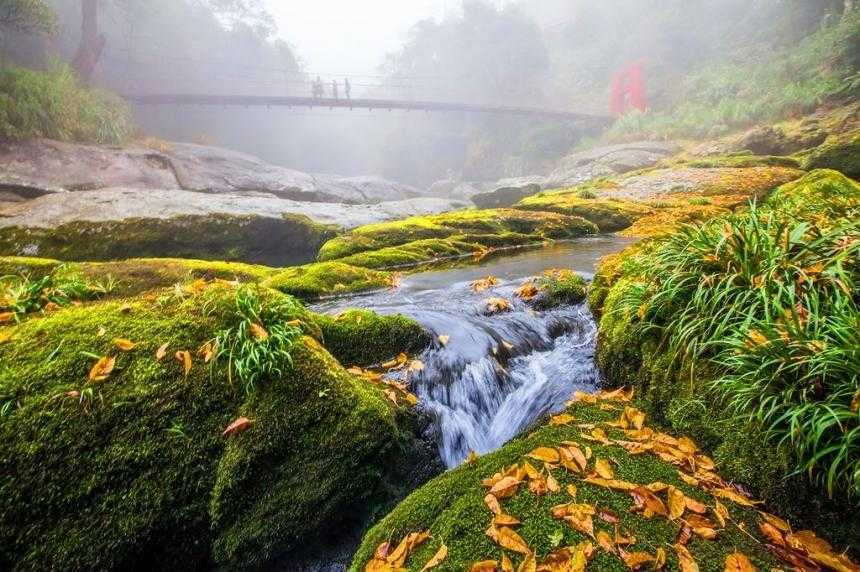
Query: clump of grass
21	295
55	105
257	347
770	302
586	194
699	201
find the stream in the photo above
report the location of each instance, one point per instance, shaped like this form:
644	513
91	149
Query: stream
496	374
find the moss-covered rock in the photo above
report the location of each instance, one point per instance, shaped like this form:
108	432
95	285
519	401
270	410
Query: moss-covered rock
427	237
609	215
681	394
840	153
320	279
559	287
290	239
27	266
452	506
133	470
360	337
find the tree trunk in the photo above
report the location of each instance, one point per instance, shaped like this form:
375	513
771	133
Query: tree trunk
92	41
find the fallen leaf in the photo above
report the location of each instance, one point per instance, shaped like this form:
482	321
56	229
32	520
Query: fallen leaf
604	469
484	283
571	490
237	426
552	484
677	503
635	560
772	533
561	419
398	556
7	317
647	502
659	559
685	559
101	333
544	454
505	520
444	339
124	345
184	358
509	539
612	484
493	504
437	559
776	521
735	497
607	515
415	366
527	291
722	513
207	351
737	562
485	566
496	305
258	332
605	541
5	337
102	369
507	487
528	564
161	351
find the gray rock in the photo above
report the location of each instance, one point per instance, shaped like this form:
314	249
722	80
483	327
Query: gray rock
37	167
606	161
505	197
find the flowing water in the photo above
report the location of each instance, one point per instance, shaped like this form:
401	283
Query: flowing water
496	374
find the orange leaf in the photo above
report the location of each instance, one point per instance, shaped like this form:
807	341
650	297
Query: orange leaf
635	560
259	332
184	358
102	369
507	487
649	503
512	541
544	454
161	351
493	504
437	559
6	317
505	520
685	559
604	469
444	339
677	503
485	566
237	426
737	562
124	345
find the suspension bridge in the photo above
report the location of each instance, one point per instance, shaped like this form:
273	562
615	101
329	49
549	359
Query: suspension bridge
361	103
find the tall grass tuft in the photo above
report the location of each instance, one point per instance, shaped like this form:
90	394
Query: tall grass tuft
257	347
55	105
771	302
21	295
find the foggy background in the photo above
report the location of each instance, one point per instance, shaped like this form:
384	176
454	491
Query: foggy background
558	54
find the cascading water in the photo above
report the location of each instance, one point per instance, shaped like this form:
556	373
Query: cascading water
495	374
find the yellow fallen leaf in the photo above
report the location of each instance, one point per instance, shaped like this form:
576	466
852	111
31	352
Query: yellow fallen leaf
649	503
5	337
124	345
237	426
734	497
605	541
571	490
102	369
677	503
258	332
507	487
552	484
611	484
398	556
484	283
437	559
496	305
659	559
444	339
485	566
161	351
561	419
545	454
527	291
528	564
512	541
507	565
737	562
7	317
207	351
505	520
685	559
415	366
493	504
775	521
604	469
722	513
635	560
184	358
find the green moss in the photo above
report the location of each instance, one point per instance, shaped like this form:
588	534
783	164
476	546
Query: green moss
608	215
27	266
740	161
449	233
134	472
360	337
840	153
451	507
287	240
320	279
560	287
821	197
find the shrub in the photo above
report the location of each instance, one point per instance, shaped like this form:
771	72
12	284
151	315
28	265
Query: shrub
54	104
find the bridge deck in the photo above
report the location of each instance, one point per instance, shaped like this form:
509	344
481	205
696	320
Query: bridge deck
286	101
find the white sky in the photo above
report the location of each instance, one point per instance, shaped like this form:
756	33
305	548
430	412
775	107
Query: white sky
350	36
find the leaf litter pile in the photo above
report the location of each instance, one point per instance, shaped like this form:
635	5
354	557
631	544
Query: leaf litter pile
576	483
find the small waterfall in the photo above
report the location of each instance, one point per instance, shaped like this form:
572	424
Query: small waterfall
496	374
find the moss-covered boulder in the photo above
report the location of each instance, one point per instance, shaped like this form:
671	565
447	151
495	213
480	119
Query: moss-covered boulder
609	215
559	287
653	337
320	279
598	492
122	462
840	153
363	338
290	239
424	238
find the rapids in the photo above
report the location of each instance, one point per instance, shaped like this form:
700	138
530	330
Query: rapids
496	374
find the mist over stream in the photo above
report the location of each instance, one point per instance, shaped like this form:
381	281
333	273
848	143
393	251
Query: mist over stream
496	374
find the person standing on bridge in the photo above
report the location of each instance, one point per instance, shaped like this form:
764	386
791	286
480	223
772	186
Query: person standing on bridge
334	89
347	88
